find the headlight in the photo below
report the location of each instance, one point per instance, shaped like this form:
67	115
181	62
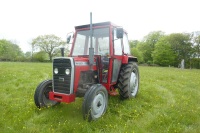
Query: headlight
67	71
56	70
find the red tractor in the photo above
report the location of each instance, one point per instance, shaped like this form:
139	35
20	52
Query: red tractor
99	63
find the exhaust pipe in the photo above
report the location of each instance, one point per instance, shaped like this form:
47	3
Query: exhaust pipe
62	51
91	49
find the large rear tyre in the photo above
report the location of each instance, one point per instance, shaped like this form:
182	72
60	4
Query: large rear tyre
41	96
128	82
95	102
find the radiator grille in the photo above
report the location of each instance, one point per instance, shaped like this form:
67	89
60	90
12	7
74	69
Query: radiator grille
62	81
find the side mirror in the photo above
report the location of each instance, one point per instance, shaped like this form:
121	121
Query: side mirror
70	37
120	32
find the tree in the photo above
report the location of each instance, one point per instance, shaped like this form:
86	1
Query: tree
133	43
163	54
28	56
197	46
196	50
181	45
135	52
48	44
10	51
148	44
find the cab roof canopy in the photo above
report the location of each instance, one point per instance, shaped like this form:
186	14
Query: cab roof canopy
96	24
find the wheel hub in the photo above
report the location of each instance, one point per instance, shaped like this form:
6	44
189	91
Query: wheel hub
98	105
133	84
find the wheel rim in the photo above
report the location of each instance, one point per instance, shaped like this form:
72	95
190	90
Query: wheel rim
98	105
134	83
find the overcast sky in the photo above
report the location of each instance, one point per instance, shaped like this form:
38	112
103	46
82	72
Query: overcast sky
23	20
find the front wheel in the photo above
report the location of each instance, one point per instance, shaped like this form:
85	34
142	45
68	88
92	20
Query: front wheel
41	96
128	82
95	102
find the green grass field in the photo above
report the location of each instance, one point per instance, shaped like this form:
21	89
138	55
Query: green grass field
168	101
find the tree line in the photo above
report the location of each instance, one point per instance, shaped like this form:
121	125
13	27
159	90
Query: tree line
156	48
43	49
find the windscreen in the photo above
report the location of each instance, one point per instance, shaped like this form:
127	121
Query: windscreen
100	41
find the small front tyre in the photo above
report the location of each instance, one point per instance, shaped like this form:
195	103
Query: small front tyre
95	102
41	96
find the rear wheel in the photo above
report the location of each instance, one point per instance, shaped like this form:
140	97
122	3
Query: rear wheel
95	102
41	96
128	82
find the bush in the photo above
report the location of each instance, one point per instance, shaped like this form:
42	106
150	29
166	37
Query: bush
40	56
195	63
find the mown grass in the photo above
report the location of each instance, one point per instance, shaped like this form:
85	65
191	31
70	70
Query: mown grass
168	101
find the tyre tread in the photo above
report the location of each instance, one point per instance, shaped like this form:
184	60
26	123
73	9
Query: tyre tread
123	80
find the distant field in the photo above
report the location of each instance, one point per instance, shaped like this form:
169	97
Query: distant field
168	101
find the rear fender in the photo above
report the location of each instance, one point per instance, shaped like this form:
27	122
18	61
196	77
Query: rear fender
127	59
134	59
